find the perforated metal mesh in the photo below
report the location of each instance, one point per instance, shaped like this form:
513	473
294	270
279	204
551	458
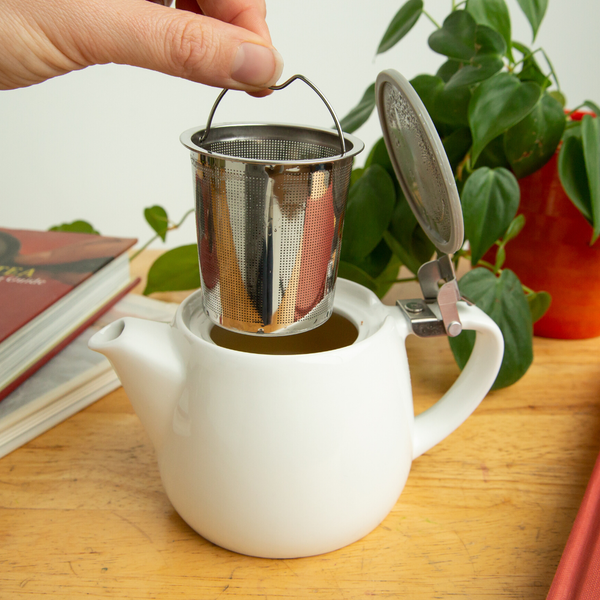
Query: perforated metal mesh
269	233
272	149
420	174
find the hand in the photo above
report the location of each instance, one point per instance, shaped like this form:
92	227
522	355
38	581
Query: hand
223	43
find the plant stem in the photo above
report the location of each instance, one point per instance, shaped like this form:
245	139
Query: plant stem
431	19
187	214
574	111
406	279
490	266
174	226
140	250
465	163
551	68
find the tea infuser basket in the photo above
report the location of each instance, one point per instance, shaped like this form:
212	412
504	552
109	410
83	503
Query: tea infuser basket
270	205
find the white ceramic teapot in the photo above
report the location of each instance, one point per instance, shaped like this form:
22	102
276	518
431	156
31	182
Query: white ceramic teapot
289	455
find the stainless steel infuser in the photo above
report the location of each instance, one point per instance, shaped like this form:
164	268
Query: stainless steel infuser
270	205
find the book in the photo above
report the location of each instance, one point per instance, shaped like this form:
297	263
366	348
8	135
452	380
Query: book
578	573
52	284
15	383
73	379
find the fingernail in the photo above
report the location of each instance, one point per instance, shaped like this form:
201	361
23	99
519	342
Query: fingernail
256	65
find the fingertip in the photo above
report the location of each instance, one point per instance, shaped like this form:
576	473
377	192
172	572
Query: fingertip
256	65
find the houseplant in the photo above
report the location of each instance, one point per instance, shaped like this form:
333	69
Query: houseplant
500	119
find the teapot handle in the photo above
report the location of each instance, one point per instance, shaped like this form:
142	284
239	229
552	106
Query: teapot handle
475	381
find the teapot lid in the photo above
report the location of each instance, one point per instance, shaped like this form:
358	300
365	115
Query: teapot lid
419	161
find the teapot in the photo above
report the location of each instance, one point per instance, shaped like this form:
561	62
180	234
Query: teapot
297	445
292	455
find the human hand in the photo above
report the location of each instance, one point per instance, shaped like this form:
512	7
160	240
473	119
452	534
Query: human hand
223	43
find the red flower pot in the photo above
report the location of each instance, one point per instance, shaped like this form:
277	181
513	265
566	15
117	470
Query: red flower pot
553	253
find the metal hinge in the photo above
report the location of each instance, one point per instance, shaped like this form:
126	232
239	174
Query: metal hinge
439	286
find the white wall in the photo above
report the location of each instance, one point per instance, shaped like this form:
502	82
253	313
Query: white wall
103	143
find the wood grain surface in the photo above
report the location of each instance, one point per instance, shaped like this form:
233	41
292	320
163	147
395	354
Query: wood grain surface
484	515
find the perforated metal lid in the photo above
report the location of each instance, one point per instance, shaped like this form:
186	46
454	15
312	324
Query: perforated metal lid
420	161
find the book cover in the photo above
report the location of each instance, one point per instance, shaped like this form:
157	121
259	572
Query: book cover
38	268
578	573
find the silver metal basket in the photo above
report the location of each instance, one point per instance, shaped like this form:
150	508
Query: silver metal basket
270	205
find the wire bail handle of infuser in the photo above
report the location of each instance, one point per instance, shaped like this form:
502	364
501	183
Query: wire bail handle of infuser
280	87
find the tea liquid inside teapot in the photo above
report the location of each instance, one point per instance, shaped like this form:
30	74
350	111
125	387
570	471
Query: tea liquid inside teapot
336	332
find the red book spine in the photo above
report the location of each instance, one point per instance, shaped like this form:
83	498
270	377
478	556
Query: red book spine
578	574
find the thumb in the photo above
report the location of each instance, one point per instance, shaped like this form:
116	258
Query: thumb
180	43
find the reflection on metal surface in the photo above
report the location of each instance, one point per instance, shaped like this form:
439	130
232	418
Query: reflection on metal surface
440	288
270	203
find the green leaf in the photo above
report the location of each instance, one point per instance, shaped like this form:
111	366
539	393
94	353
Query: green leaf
478	69
500	258
156	216
361	112
456	37
559	97
573	176
514	228
381	284
456	145
489	47
531	143
490	200
444	106
530	70
174	270
406	238
590	134
534	11
493	155
496	105
375	262
539	303
448	69
379	156
369	208
522	48
387	278
452	106
401	24
494	14
480	47
503	299
593	107
75	227
356	175
353	273
428	87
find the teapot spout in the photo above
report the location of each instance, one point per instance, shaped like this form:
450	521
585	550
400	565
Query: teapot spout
150	359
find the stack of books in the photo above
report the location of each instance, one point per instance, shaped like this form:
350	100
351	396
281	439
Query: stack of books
53	285
73	379
56	290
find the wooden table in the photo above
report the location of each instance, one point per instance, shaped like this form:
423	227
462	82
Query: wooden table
485	514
